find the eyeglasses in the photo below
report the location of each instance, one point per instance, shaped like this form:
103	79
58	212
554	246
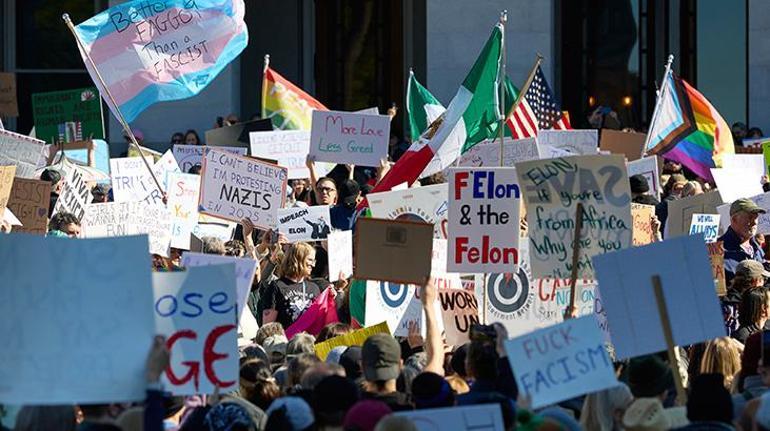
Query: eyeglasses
327	190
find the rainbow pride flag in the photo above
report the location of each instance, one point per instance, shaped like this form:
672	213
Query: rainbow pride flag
688	129
154	51
287	106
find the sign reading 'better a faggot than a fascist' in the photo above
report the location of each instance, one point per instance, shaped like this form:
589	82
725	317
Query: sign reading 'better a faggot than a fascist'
236	187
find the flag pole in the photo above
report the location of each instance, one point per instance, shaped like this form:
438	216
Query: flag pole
264	78
658	100
501	99
106	89
527	83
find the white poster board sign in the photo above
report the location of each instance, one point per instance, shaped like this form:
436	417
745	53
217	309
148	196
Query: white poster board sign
576	142
89	314
349	138
22	151
340	248
111	219
235	187
394	303
305	224
132	182
74	196
426	204
166	164
705	224
188	156
751	165
183	193
487	153
196	311
733	184
289	148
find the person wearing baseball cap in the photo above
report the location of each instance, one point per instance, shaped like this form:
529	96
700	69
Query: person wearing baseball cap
381	364
738	240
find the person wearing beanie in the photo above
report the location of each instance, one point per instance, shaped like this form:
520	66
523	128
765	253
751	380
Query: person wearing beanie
429	391
738	241
332	398
709	406
649	377
343	215
365	414
640	190
289	413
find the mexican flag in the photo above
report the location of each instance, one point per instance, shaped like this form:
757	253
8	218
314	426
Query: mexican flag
285	104
471	117
421	107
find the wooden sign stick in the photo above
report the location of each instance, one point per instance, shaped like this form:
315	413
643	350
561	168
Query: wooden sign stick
571	312
681	395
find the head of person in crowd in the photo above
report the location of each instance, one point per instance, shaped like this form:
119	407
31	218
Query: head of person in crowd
351	361
100	413
333	330
191	138
298	262
327	191
648	414
429	390
299	188
481	361
313	375
300	343
749	274
177	138
708	400
381	363
365	414
649	377
671	167
722	356
437	178
692	188
332	397
639	186
674	186
101	193
754	133
53	176
413	366
267	330
604	410
234	413
457	362
349	194
257	384
213	245
739	130
275	347
743	218
232	120
253	351
195	169
65	222
137	134
754	309
297	366
290	414
235	248
41	418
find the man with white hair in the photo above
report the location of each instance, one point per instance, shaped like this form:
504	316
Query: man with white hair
739	241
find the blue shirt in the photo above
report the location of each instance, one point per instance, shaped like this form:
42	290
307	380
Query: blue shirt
342	218
735	254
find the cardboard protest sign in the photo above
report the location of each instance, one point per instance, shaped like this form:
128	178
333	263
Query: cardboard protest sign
752	166
643	232
196	311
236	135
680	212
561	362
21	151
552	188
459	310
9	105
576	142
632	312
305	224
111	219
80	326
183	193
340	249
349	138
648	168
68	116
483	220
487	153
390	250
355	338
716	252
629	144
735	183
396	304
289	147
74	196
6	183
482	417
29	201
427	204
188	156
132	182
235	187
706	224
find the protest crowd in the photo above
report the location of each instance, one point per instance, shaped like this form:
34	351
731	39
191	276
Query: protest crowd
326	274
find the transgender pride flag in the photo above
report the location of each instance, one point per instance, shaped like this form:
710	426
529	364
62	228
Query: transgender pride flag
149	51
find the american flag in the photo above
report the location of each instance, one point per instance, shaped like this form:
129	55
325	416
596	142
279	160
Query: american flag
539	109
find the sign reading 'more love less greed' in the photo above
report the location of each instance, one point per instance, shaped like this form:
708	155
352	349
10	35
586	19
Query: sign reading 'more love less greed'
349	138
483	220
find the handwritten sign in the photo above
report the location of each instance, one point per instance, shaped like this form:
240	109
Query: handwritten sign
9	106
75	195
426	204
305	224
561	362
483	220
21	151
459	310
648	168
183	193
643	232
235	187
687	285
289	147
111	219
355	338
484	417
680	212
577	142
394	303
349	138
132	182
29	201
706	224
188	156
68	116
487	153
716	252
196	311
340	246
80	326
6	183
552	188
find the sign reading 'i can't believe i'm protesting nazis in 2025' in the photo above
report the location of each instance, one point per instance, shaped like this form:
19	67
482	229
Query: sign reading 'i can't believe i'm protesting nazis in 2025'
483	220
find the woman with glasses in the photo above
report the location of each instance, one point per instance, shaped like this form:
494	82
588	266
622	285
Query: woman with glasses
286	298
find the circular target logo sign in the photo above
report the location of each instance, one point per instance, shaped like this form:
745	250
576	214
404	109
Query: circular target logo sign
394	295
510	295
